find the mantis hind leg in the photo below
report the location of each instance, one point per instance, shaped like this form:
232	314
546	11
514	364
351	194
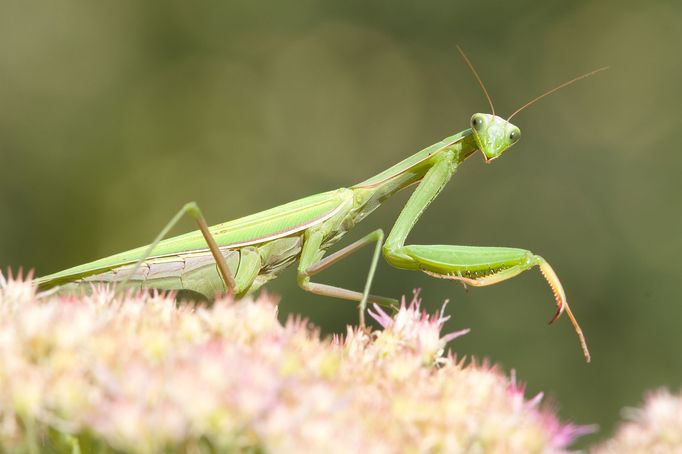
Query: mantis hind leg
311	264
191	209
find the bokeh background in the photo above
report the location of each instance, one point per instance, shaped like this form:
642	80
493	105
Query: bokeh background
114	115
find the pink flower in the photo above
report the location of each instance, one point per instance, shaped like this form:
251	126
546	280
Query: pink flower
138	373
656	427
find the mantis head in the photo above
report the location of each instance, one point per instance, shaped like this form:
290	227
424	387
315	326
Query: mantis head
493	135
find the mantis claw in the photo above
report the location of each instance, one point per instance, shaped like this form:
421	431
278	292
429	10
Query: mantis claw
560	297
557	290
434	261
558	313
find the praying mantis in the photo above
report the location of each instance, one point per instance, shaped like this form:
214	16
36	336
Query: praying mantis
239	256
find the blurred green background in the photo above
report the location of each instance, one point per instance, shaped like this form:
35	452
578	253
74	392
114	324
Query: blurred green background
114	115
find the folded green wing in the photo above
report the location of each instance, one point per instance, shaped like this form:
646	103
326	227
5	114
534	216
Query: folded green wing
257	228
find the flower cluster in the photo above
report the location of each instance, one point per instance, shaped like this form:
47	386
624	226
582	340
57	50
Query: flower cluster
655	428
140	373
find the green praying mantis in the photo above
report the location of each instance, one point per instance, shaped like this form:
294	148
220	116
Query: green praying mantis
240	256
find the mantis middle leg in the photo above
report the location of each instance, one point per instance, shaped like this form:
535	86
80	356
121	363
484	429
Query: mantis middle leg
311	263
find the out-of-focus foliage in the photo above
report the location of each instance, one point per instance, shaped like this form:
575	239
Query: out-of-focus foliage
113	116
138	374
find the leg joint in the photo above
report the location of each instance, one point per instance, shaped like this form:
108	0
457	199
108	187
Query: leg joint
192	209
303	279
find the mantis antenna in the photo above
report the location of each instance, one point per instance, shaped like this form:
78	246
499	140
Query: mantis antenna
565	84
478	78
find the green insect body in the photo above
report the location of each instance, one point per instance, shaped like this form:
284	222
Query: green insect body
257	247
241	255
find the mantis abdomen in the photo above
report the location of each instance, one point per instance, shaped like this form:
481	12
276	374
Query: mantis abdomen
197	271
